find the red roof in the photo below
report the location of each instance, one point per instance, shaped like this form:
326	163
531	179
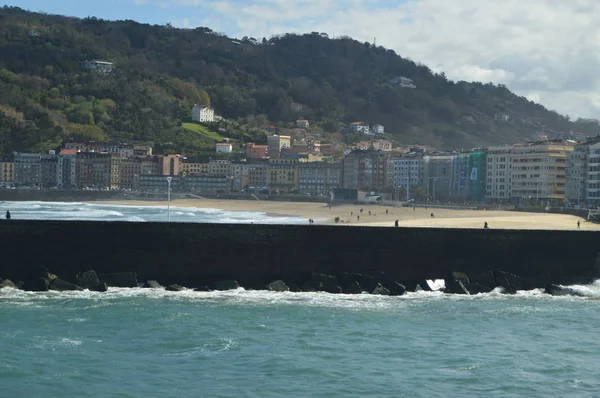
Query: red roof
69	152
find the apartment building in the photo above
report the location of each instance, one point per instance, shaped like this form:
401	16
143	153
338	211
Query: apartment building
27	169
257	176
408	171
98	170
254	151
539	170
437	170
276	143
498	173
7	171
282	175
319	178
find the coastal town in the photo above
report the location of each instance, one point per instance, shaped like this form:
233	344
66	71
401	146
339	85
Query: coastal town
555	171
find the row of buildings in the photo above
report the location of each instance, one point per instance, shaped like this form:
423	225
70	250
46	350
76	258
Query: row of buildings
550	171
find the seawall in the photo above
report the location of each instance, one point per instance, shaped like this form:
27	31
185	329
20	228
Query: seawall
199	254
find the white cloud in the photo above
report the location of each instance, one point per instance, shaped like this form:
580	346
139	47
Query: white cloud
547	50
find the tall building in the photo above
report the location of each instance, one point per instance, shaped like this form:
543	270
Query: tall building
49	170
282	175
130	171
257	176
368	170
437	172
67	176
583	174
477	175
98	170
170	165
28	169
498	173
7	171
276	143
539	170
408	172
319	178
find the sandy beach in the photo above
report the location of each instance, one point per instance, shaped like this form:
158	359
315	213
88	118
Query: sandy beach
406	216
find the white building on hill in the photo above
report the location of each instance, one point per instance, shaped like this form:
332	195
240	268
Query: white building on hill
203	114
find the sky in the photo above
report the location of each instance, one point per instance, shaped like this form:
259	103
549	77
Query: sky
545	50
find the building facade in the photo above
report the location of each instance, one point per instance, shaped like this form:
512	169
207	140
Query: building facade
27	169
203	114
276	143
282	175
254	151
319	178
7	172
257	176
499	173
437	170
408	172
539	170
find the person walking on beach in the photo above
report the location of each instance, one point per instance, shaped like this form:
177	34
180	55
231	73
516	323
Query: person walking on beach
578	224
357	218
485	225
396	223
7	215
432	215
386	212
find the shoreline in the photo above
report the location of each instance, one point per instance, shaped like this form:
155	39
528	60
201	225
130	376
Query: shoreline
376	216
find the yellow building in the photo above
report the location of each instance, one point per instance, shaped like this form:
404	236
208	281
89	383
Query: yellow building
282	175
539	170
6	172
195	168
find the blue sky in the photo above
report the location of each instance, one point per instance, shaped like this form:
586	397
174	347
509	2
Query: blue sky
545	50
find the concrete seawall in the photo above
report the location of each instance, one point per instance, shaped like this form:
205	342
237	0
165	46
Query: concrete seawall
199	254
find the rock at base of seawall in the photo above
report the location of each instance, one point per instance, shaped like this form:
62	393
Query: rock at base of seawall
202	289
455	283
417	286
368	283
120	279
63	286
380	291
510	283
175	288
347	277
325	279
152	284
395	288
557	290
278	286
8	283
101	287
88	279
312	286
36	285
484	278
476	288
351	288
227	285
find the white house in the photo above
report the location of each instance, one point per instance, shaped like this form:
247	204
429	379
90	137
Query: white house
103	67
403	82
33	33
359	127
203	114
378	129
224	147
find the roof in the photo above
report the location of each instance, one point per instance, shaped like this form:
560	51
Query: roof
69	152
224	143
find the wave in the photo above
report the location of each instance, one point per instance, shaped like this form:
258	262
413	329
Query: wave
13	297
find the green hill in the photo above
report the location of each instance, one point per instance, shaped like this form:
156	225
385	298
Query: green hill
46	94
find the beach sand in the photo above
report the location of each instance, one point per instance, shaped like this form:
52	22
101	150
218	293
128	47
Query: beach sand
406	216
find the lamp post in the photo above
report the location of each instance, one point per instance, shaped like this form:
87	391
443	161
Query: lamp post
169	179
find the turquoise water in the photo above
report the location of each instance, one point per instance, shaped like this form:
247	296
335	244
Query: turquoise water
153	343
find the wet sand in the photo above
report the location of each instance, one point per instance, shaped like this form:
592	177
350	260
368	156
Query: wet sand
406	216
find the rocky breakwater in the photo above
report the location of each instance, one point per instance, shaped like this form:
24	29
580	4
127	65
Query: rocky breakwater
345	283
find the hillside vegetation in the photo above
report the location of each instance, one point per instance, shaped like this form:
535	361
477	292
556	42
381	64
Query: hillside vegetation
47	96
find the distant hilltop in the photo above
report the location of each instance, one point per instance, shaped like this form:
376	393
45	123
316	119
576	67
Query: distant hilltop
100	80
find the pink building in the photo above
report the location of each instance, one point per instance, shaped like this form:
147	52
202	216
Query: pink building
254	151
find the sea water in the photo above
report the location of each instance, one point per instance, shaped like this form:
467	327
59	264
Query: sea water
70	211
154	343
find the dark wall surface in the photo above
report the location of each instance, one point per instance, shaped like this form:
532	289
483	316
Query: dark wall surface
198	254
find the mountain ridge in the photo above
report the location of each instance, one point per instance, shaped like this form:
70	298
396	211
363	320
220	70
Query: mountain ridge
47	96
